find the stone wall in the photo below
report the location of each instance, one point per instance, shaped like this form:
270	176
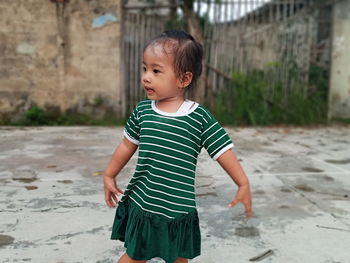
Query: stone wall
60	55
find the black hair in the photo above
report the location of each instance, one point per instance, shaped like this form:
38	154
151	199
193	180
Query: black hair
187	53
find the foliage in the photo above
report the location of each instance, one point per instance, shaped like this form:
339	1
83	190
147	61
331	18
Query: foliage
246	100
98	100
35	116
176	22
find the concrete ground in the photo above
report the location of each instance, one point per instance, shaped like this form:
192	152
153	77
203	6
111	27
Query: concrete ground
52	207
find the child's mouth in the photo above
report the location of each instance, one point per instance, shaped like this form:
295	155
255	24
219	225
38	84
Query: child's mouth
149	90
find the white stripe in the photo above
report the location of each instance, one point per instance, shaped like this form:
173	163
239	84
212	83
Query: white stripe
172	118
146	143
141	111
172	134
131	128
150	210
136	117
205	113
174	188
164	169
199	114
215	142
144	104
166	163
174	126
209	127
229	140
160	138
172	210
194	119
210	136
130	138
134	123
161	199
223	150
165	193
165	178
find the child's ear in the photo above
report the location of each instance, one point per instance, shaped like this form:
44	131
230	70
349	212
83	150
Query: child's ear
186	79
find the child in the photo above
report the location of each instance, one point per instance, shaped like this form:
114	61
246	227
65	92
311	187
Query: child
157	216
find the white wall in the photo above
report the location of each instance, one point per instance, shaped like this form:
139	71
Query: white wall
339	93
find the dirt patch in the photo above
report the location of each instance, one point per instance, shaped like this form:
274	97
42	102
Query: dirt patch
206	194
259	192
249	231
204	185
304	187
285	190
31	187
65	181
312	170
25	180
283	206
345	161
6	240
328	178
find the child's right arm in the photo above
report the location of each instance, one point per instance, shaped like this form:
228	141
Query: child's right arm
121	156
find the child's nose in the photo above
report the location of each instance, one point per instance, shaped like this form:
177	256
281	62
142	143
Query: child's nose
146	77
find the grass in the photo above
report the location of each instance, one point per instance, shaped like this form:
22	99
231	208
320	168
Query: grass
245	101
36	116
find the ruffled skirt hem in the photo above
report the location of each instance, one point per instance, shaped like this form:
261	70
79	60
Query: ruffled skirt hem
147	235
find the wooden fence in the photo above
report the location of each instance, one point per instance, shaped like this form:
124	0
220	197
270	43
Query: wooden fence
278	39
138	27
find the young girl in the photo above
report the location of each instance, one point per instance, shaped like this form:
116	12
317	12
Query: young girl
157	216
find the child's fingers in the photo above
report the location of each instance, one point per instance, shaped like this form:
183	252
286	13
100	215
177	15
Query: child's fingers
111	196
233	203
111	192
120	191
109	201
114	198
112	201
115	190
247	206
248	209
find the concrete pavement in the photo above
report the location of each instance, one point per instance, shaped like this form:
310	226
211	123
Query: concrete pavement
52	207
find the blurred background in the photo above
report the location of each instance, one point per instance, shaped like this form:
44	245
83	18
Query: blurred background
275	63
77	62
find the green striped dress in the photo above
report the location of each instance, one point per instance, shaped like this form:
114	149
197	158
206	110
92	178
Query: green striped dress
157	215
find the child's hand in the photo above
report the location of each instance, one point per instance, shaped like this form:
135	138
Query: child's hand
111	190
244	196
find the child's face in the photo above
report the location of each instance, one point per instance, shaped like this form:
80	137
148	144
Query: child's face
158	78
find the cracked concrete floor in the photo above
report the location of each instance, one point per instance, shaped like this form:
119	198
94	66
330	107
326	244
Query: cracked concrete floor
52	207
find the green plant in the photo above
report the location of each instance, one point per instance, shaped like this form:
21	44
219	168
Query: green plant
98	101
35	116
38	116
262	98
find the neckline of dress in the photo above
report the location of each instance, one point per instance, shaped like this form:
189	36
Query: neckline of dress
186	108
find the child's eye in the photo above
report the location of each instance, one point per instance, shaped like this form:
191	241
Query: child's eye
144	68
156	71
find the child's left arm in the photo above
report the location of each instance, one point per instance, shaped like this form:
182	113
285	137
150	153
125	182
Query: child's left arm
231	165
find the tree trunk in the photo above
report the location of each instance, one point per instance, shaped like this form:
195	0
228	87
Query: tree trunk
195	30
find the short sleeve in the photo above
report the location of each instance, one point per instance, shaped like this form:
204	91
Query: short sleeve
132	127
214	138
